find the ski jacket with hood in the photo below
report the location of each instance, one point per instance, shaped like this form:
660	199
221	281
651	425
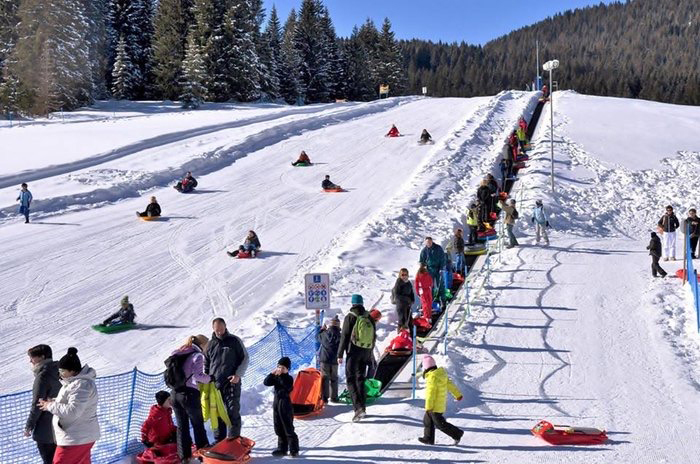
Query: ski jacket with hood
329	341
158	428
46	385
433	257
346	333
226	356
669	222
436	388
75	410
539	215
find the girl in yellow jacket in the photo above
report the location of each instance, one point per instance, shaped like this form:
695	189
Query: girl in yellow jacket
437	386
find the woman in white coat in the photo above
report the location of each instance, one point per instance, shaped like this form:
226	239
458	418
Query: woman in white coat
74	411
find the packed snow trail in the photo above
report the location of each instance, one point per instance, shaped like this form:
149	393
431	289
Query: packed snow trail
70	271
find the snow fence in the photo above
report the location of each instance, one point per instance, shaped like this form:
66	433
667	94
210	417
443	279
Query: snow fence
124	399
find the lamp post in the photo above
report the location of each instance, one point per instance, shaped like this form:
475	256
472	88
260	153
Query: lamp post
549	66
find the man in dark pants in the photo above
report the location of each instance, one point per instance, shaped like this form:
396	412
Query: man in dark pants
329	341
691	226
226	361
655	252
433	256
46	386
358	342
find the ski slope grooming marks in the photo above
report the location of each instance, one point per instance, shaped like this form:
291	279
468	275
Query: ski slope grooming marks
578	332
70	271
124	172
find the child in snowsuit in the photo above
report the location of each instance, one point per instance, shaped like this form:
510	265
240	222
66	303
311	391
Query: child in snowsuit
283	416
375	315
329	341
152	210
654	248
125	315
25	201
424	289
158	428
187	184
436	388
303	159
522	138
539	218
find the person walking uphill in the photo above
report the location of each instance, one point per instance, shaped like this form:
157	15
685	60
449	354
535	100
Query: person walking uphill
329	341
282	413
654	248
184	372
433	256
669	224
436	388
46	386
539	218
511	217
403	297
357	339
74	411
226	362
25	201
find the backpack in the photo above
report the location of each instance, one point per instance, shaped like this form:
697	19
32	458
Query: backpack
363	332
515	214
174	374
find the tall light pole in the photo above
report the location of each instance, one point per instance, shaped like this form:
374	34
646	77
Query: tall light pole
549	66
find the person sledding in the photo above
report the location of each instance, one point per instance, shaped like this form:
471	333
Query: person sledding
125	315
425	137
393	132
329	186
187	184
152	210
303	160
250	247
437	385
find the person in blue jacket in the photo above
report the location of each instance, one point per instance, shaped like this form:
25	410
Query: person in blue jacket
539	218
25	201
433	256
329	342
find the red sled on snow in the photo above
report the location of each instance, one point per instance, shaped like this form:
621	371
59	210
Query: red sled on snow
307	399
230	450
680	273
334	190
569	435
422	323
159	454
401	345
488	234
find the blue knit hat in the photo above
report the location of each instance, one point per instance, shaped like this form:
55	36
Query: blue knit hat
356	299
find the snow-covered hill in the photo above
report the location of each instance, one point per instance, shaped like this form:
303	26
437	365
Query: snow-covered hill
576	333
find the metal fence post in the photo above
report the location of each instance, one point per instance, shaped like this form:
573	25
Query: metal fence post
131	410
466	282
413	395
446	329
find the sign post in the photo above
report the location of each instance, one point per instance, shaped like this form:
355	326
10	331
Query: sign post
317	296
425	91
383	91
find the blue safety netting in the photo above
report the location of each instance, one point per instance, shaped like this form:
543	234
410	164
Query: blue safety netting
124	399
692	275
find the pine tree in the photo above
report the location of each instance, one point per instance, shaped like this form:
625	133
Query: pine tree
243	63
290	63
171	24
124	74
309	42
8	29
211	36
389	62
336	77
271	56
96	13
194	74
358	76
133	20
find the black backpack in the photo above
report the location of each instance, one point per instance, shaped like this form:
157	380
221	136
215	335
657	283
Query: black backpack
174	374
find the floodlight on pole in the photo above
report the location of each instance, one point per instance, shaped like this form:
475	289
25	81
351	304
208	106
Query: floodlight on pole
549	66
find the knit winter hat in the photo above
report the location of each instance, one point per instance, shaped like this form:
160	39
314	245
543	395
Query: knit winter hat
125	300
356	299
335	321
70	361
161	397
375	314
285	361
428	362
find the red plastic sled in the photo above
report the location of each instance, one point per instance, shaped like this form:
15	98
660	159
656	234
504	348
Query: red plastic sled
159	454
306	396
247	255
568	435
680	273
401	344
236	450
337	190
422	323
486	234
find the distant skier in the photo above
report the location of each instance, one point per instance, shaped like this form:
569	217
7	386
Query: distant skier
125	315
152	210
303	159
403	297
425	137
25	201
654	248
187	184
393	132
437	384
691	225
328	185
511	217
539	218
669	223
251	245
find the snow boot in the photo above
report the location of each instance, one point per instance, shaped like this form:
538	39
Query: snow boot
425	441
279	453
359	415
232	254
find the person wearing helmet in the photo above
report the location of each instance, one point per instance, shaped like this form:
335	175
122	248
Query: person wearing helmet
539	219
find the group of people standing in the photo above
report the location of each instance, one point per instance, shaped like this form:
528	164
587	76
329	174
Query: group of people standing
666	229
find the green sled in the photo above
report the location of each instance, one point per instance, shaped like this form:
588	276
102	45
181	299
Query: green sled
113	328
301	165
373	389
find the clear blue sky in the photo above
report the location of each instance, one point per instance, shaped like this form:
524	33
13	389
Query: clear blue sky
472	21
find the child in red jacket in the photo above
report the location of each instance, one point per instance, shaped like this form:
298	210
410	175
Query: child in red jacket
159	429
424	288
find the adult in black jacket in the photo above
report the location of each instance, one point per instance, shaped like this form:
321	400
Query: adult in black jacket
226	361
329	341
46	386
691	226
125	315
152	210
655	253
282	413
669	223
493	190
483	194
403	297
359	359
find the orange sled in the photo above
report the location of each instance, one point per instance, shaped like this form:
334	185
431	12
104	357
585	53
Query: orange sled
334	190
568	435
680	273
306	396
236	450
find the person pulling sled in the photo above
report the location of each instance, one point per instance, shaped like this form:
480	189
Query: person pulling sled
187	184
303	160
